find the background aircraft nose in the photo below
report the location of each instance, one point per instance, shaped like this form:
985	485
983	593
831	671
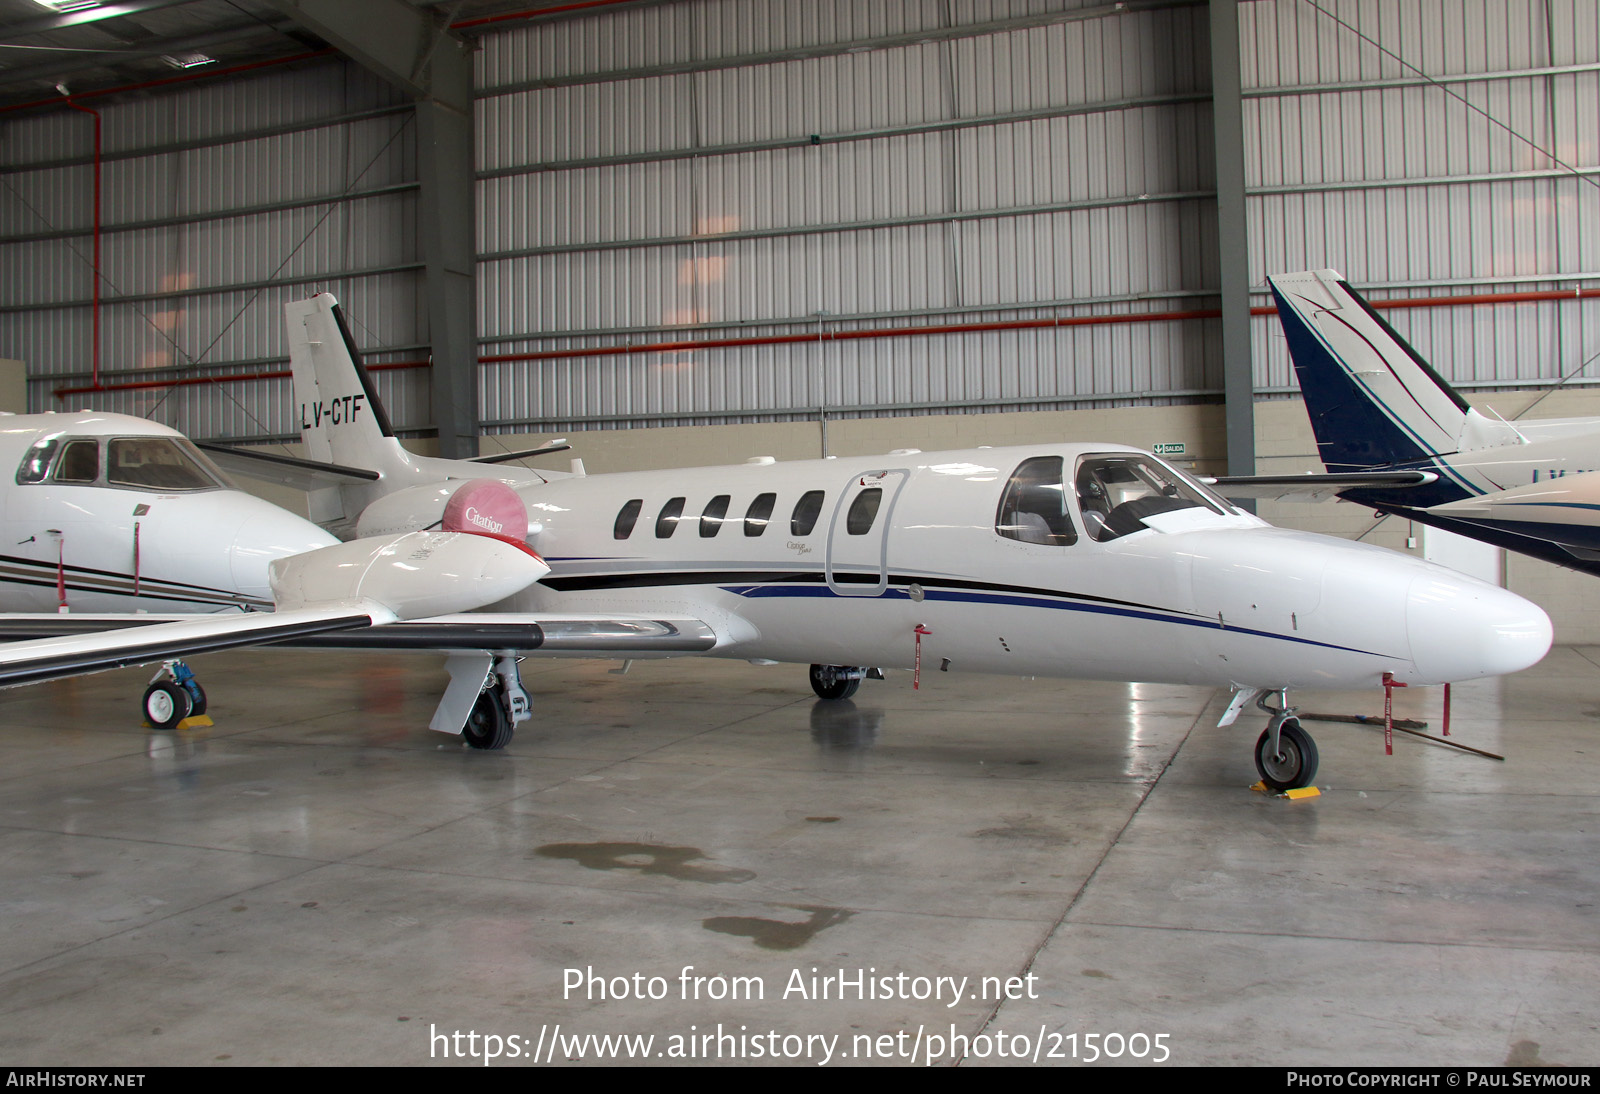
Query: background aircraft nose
1462	629
267	533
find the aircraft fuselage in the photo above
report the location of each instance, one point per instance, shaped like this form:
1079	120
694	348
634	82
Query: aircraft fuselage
1202	594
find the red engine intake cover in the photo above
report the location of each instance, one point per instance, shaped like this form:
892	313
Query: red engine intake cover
487	507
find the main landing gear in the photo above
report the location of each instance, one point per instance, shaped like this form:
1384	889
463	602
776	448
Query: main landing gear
840	681
1286	755
173	695
500	706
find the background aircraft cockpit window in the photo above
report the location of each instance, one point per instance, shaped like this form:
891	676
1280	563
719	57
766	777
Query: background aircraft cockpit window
667	520
79	462
806	511
1116	493
1034	507
155	463
626	516
711	518
863	511
37	461
756	517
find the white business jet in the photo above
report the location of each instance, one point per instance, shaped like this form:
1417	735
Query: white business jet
1092	561
108	513
1394	436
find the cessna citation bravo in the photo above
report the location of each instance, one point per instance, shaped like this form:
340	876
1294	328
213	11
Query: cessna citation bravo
1091	561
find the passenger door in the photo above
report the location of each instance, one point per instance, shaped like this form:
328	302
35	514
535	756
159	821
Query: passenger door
858	537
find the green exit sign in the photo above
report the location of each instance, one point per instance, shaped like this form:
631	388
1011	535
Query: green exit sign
1171	448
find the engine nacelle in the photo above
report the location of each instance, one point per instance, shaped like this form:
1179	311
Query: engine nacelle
410	510
415	575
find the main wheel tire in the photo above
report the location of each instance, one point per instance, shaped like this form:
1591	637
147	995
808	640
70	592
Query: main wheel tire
828	684
488	726
197	696
166	704
1296	764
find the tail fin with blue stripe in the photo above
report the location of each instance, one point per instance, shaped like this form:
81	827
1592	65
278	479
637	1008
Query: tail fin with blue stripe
1373	401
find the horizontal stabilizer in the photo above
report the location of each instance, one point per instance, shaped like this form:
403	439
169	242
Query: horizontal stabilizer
1316	487
284	470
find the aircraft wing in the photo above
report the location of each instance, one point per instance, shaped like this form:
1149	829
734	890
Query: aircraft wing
72	654
629	635
343	587
507	457
1315	486
285	470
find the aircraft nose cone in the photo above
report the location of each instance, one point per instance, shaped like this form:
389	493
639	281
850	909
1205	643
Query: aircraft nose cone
269	533
1462	629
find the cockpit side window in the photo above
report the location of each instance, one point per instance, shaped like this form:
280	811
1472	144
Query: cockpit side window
37	461
1116	492
79	463
155	463
1033	508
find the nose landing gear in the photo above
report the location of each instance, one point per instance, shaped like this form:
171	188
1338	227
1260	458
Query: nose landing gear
1286	756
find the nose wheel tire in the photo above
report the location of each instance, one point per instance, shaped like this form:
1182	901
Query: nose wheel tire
829	682
1295	765
488	727
166	704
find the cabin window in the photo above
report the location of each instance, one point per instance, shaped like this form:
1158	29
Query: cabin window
667	521
757	517
806	511
156	463
37	461
711	519
79	462
863	511
626	518
1116	492
1033	508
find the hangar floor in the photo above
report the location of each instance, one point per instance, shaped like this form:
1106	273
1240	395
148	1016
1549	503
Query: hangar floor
319	879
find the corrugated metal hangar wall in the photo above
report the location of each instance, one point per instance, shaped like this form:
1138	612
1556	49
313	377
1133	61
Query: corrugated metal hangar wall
853	208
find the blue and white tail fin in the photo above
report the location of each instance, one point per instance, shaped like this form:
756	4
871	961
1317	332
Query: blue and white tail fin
1373	401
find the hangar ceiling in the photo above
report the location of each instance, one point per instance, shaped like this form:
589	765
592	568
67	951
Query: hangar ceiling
93	47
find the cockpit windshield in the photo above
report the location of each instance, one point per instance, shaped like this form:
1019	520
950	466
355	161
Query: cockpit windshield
1116	492
167	464
157	463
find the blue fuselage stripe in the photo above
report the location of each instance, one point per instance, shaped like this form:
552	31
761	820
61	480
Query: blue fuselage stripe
1014	600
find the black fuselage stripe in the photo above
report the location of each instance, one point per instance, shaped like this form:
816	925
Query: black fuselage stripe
656	578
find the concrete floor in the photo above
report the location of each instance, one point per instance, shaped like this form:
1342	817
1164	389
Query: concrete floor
319	879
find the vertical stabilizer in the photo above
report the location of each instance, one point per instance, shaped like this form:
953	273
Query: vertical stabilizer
1373	401
341	418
